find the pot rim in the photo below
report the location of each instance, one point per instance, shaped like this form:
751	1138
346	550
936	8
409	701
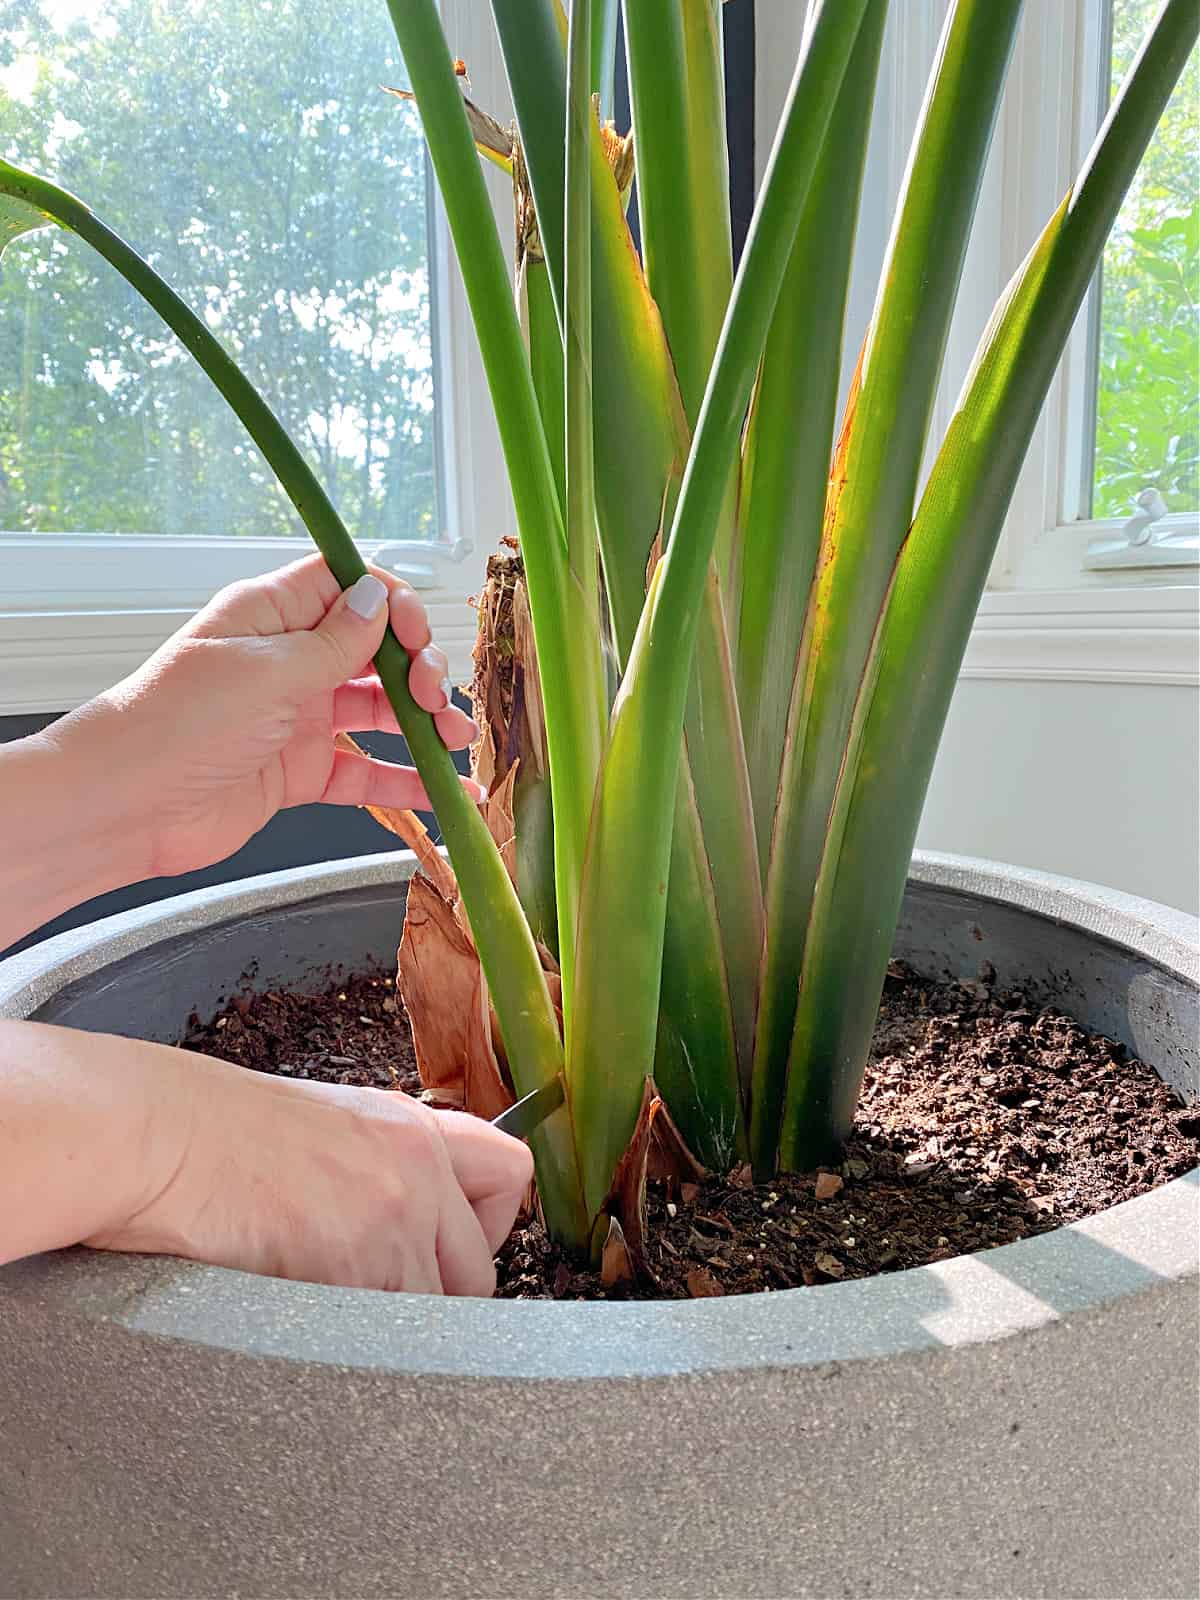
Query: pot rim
1136	1247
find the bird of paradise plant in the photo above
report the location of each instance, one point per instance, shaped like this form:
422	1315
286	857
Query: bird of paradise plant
747	622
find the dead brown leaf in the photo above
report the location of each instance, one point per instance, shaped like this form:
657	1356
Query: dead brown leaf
486	1094
655	556
656	1149
669	1159
626	1201
616	1263
442	986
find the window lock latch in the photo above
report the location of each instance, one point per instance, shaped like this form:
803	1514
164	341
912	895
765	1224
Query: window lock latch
1152	537
1151	508
419	561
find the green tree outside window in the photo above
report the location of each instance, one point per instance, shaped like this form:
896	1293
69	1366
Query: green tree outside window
291	196
1148	399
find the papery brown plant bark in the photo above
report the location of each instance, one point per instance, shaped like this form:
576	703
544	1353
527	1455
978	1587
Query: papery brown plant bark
656	1150
507	698
438	972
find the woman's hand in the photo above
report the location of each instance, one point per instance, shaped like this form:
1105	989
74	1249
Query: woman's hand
235	716
135	1146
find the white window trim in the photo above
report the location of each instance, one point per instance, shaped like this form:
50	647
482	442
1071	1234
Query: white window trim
80	611
1045	615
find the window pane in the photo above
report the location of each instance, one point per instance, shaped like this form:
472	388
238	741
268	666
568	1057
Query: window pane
247	148
1147	433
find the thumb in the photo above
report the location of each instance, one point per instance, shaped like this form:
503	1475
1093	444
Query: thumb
345	639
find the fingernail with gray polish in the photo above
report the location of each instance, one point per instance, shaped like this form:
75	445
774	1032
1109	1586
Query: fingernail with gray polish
367	597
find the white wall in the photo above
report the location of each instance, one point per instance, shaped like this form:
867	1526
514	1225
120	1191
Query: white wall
1095	780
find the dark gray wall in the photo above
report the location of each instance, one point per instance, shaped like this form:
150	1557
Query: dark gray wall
326	833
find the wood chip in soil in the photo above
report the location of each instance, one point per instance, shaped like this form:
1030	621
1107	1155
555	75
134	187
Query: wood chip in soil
984	1119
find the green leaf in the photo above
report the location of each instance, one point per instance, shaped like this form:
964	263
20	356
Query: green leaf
17	217
940	573
623	913
678	101
871	500
789	437
582	614
641	440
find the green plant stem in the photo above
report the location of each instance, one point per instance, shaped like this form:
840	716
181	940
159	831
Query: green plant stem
623	912
871	503
789	437
677	90
539	322
570	694
940	574
641	439
583	582
677	95
604	52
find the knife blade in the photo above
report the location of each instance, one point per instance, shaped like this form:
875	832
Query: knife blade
531	1110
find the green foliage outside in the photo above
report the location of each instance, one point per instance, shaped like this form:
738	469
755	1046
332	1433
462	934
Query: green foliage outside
286	198
1148	405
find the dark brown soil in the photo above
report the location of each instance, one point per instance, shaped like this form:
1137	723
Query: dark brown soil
982	1121
354	1032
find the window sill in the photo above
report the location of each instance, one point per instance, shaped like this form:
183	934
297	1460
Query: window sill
80	612
1138	634
54	658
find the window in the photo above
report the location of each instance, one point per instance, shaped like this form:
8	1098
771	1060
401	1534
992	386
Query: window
1144	436
279	191
1108	497
250	151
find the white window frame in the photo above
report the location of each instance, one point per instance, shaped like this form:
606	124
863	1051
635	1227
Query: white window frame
1046	614
1056	100
80	611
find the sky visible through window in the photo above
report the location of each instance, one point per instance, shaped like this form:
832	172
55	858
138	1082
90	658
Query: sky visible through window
249	151
1148	401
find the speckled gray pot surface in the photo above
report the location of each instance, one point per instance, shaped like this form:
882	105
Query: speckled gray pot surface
1022	1422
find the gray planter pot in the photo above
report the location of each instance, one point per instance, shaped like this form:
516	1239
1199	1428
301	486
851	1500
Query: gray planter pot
1021	1422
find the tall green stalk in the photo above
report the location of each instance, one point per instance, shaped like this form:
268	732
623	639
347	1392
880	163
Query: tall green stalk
871	500
785	471
583	578
641	439
940	572
572	690
623	913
